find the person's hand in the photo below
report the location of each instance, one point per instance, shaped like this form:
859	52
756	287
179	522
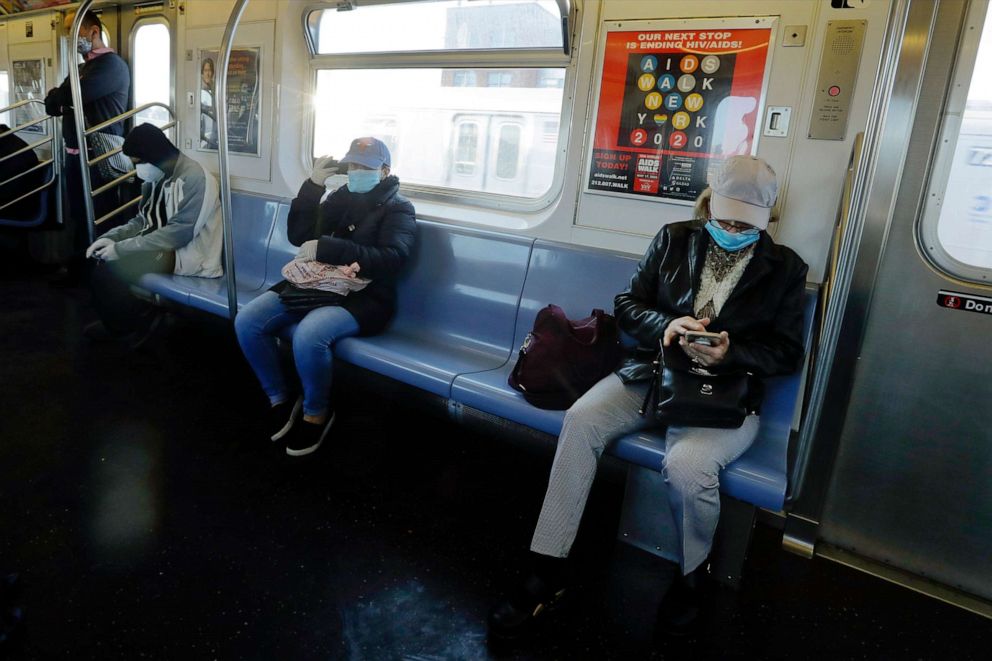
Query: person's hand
106	252
705	355
308	251
679	327
323	168
351	270
96	246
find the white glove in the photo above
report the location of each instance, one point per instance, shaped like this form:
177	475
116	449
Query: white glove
308	251
96	246
106	253
323	168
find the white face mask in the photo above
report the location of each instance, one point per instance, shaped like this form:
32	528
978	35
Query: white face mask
148	172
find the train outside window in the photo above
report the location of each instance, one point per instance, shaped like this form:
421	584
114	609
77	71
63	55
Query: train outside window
428	100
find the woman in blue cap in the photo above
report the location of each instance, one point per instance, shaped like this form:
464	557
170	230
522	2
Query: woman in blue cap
365	227
720	274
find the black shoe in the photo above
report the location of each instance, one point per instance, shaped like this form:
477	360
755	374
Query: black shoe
307	437
282	416
680	607
517	614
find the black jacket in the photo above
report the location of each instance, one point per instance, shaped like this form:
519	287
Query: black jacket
105	84
763	316
376	229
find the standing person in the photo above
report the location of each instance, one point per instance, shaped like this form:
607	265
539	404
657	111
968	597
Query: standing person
105	85
364	226
177	230
721	273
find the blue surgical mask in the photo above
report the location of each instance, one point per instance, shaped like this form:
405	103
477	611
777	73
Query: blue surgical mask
732	241
83	45
148	172
362	181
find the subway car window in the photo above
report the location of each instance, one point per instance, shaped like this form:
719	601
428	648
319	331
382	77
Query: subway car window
446	125
4	95
152	70
964	224
442	25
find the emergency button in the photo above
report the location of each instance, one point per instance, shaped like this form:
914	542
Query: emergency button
833	91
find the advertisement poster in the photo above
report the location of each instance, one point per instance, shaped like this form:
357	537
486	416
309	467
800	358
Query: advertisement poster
243	101
674	100
28	82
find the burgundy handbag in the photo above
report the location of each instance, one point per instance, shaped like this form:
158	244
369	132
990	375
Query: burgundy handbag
561	359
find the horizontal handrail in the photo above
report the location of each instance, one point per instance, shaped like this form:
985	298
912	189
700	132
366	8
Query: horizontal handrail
18	104
130	113
114	152
27	172
116	211
21	127
110	184
24	149
29	194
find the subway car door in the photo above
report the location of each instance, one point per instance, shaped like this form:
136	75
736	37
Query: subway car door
910	488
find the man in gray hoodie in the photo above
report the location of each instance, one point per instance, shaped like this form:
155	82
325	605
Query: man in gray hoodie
177	230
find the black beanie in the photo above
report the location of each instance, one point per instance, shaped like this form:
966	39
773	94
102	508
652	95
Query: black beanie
148	143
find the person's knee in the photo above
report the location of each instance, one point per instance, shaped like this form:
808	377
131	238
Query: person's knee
245	324
689	473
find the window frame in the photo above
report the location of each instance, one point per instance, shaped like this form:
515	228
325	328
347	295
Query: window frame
952	119
509	58
155	19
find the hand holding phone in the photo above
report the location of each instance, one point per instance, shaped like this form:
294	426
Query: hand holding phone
704	338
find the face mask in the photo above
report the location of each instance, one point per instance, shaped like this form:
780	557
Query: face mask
148	172
362	181
83	45
732	241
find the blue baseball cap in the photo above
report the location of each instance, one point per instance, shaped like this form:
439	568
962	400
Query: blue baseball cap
370	152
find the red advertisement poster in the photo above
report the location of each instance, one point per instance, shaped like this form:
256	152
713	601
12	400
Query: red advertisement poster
673	99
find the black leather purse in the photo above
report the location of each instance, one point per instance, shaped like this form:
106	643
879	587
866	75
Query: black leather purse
685	394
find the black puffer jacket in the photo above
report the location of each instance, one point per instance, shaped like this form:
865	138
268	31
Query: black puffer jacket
376	229
763	316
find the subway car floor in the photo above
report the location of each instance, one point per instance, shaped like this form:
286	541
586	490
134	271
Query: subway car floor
147	517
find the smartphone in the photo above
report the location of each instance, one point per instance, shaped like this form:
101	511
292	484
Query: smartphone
699	337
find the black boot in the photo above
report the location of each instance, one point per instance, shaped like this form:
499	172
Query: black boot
543	587
680	607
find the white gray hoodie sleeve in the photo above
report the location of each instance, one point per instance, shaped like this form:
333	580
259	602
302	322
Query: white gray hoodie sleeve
134	226
180	227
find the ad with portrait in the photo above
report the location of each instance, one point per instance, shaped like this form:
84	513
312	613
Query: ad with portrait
27	82
675	97
243	101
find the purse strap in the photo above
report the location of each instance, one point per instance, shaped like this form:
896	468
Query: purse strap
658	365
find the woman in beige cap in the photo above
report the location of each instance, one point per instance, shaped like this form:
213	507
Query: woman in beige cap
720	273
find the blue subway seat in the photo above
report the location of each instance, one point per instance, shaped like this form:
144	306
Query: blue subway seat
575	278
760	476
255	217
457	302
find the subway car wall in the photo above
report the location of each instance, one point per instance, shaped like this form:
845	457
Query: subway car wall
596	138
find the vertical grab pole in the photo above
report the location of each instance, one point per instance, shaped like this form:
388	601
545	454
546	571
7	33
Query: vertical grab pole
77	114
222	154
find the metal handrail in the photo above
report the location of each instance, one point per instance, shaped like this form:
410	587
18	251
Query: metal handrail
79	116
55	162
105	218
223	157
130	113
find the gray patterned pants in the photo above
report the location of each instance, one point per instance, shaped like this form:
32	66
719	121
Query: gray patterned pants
694	457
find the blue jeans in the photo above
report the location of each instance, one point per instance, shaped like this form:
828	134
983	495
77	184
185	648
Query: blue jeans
259	323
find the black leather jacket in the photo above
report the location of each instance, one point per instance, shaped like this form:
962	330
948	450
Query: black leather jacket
763	316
